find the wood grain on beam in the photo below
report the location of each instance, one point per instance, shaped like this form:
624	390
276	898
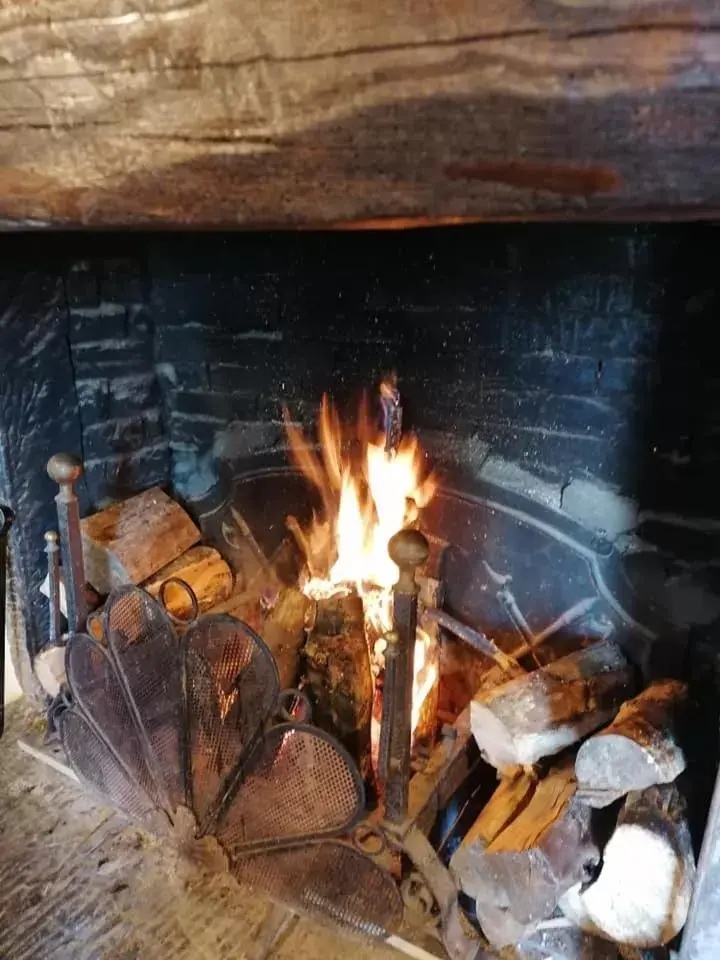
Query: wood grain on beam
295	113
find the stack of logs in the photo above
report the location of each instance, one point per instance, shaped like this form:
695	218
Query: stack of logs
580	848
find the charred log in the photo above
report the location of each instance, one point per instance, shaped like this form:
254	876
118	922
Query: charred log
639	749
337	667
539	714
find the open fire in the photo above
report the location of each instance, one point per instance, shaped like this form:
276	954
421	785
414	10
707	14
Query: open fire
372	482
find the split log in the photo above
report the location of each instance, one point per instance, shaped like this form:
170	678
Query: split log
338	671
132	540
204	570
284	633
431	597
543	847
639	749
642	894
559	939
49	668
541	713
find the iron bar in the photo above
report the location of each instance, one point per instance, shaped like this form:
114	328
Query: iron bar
65	469
52	551
408	549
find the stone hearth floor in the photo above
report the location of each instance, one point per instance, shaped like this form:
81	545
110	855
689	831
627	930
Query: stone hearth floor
78	883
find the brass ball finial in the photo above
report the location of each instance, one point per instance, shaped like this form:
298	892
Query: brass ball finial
64	468
408	549
51	536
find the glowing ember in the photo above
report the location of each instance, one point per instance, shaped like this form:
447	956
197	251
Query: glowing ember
369	490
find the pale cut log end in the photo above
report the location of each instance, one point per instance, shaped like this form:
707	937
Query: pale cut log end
601	760
642	895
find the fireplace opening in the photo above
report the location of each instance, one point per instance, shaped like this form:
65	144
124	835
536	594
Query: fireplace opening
445	500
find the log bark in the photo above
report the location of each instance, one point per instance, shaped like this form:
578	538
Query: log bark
640	748
337	666
539	714
642	894
284	633
212	113
542	848
134	539
204	570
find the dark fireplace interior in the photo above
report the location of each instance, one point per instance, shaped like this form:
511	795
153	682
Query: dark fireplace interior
567	365
560	378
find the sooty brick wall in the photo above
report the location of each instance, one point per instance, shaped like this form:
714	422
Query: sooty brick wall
575	351
112	353
77	373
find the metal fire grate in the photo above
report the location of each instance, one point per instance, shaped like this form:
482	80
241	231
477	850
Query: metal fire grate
160	725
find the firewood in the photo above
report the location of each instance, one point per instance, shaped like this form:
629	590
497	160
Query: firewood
642	894
639	749
431	597
543	846
559	939
337	664
204	570
49	668
541	713
132	540
284	633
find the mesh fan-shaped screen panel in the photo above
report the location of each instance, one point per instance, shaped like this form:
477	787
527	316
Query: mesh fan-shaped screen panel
232	688
97	688
330	880
147	654
298	783
91	759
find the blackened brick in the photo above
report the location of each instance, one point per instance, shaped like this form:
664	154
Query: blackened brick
197	431
113	358
133	394
240	404
93	400
107	322
121	475
124	281
82	285
183	376
139	321
120	436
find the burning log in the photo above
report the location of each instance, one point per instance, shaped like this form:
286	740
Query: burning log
130	541
337	665
541	713
639	749
430	597
204	571
530	845
284	633
642	894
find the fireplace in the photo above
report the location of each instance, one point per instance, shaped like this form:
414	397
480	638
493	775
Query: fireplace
557	377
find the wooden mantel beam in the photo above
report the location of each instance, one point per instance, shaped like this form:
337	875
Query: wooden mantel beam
298	113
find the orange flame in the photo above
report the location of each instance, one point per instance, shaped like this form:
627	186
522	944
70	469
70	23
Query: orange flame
367	494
